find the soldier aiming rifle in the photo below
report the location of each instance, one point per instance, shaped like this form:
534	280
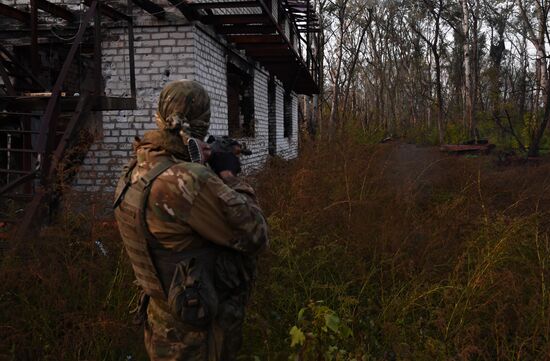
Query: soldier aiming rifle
191	231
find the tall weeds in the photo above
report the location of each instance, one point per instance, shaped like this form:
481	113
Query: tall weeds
418	255
66	295
425	257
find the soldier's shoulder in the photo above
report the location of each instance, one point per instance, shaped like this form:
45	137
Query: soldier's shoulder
185	177
199	172
174	192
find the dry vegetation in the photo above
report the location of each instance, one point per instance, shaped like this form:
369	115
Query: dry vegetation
379	252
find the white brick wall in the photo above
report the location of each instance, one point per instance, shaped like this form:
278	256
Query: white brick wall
210	70
163	54
167	50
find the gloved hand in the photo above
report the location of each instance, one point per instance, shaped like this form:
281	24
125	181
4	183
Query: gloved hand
223	161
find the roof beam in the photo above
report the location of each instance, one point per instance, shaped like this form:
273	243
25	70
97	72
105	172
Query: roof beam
184	7
110	11
280	47
256	39
15	14
246	29
225	5
55	10
152	8
236	19
270	52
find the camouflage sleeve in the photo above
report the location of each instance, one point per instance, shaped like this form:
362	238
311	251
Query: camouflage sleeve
228	215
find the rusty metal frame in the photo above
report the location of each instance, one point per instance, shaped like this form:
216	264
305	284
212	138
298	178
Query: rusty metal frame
109	11
50	148
56	10
224	5
262	36
27	72
34	37
46	139
48	123
6	79
15	14
84	106
19	181
152	8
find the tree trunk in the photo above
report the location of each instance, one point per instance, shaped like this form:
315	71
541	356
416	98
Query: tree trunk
468	94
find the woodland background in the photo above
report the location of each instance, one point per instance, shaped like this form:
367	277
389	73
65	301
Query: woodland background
390	251
440	71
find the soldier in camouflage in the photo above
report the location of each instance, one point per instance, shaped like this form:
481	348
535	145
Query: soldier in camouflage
192	233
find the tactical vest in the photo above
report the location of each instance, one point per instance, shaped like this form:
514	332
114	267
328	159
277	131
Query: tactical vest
156	268
142	247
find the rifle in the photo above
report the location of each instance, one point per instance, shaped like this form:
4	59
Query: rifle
200	151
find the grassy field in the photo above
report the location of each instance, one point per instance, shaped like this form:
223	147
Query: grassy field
378	252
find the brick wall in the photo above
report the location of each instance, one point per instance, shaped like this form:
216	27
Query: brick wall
210	70
162	54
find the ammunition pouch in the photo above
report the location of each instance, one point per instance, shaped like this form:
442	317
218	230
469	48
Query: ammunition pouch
234	272
192	296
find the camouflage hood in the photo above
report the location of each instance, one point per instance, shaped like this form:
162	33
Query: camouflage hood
184	108
163	141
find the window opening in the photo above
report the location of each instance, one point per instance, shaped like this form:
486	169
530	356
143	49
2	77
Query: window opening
240	102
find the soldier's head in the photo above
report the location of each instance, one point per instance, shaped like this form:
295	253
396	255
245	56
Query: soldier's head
184	107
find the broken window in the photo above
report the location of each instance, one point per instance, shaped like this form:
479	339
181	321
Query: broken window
288	109
240	102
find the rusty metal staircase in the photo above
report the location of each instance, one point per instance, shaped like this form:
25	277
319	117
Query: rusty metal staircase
39	122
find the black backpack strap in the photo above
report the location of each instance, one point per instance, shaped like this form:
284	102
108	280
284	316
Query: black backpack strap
127	179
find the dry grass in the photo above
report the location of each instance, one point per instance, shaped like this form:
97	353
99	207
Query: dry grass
425	257
66	295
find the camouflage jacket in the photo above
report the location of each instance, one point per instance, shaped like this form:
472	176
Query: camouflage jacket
190	206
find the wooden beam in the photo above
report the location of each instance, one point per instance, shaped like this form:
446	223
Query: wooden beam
266	46
6	80
16	183
267	61
246	29
269	53
35	61
235	19
66	104
256	39
55	10
20	66
15	14
152	8
110	11
225	5
287	66
185	9
294	57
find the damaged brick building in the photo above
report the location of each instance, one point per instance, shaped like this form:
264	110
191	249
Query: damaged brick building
69	65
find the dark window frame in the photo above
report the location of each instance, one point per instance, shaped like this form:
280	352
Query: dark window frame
240	100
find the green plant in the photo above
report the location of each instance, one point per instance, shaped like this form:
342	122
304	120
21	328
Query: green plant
319	334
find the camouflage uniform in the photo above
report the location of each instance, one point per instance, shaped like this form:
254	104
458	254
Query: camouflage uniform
189	208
